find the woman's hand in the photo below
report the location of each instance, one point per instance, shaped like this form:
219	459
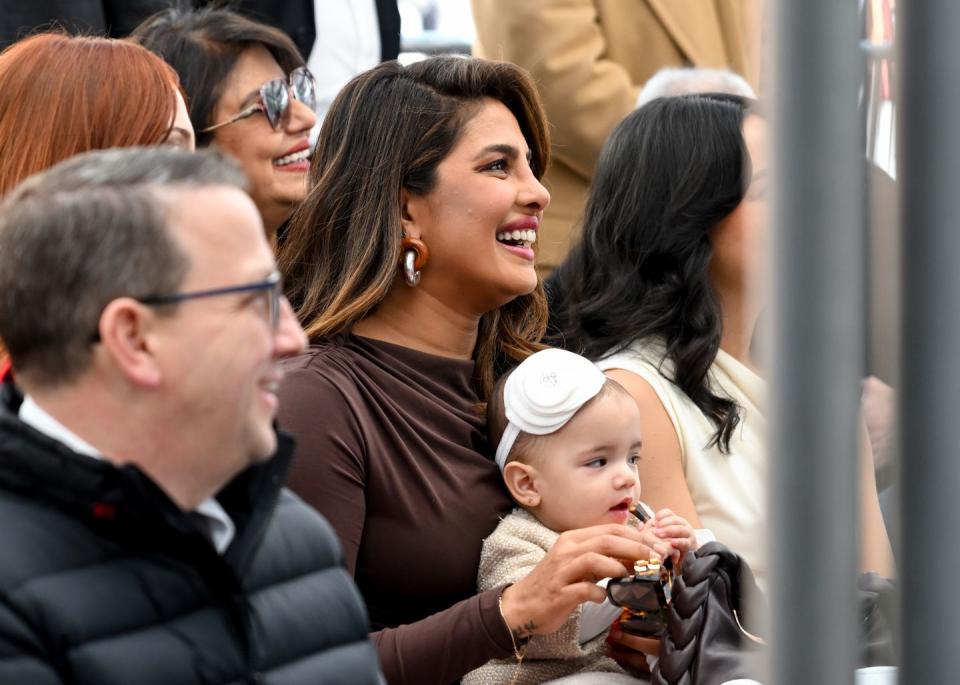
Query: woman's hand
676	531
567	576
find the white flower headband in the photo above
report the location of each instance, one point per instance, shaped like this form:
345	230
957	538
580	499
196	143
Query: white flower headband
544	392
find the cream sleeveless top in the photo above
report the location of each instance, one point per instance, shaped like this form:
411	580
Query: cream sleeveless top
728	490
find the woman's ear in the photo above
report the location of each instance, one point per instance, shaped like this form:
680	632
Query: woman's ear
521	481
125	330
411	210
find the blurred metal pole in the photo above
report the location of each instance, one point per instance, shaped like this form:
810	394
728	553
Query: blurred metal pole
930	449
817	360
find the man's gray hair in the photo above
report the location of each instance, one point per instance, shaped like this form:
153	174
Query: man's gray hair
83	233
672	81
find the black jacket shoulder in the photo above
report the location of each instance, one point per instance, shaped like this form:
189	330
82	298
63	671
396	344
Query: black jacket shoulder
103	580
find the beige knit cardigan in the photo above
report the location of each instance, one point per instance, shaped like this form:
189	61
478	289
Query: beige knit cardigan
509	554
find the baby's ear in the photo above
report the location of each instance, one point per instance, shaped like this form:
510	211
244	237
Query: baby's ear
522	483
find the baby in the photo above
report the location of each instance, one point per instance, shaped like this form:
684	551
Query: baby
568	443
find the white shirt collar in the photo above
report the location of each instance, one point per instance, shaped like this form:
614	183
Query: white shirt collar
216	522
35	417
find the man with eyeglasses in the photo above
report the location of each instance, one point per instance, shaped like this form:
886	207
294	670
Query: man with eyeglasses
146	534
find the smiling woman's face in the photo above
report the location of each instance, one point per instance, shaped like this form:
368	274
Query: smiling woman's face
481	216
275	161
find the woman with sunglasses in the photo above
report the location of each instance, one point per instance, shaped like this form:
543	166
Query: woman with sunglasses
249	94
411	264
56	101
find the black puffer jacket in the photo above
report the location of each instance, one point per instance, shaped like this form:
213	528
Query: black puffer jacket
103	580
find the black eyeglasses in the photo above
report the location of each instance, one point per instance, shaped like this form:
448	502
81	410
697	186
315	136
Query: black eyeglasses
272	285
275	98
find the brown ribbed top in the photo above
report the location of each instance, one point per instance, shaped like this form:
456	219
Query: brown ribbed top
392	450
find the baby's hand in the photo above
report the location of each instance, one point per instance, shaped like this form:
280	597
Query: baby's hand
675	529
660	547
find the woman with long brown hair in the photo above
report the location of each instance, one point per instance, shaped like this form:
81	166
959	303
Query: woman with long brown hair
61	95
411	266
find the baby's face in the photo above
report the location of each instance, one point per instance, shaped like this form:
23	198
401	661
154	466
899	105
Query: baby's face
586	473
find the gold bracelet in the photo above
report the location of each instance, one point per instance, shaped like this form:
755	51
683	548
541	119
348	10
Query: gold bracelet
517	653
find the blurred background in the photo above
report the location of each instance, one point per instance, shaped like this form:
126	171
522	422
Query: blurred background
434	26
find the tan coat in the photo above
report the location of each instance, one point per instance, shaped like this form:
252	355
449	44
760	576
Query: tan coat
590	59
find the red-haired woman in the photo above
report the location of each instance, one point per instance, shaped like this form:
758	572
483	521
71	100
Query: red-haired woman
61	95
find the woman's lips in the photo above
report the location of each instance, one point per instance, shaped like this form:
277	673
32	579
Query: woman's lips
519	235
521	224
296	158
519	250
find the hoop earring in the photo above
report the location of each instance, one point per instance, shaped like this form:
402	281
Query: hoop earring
414	257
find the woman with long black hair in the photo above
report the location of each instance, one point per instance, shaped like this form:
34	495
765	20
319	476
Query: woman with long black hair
660	291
